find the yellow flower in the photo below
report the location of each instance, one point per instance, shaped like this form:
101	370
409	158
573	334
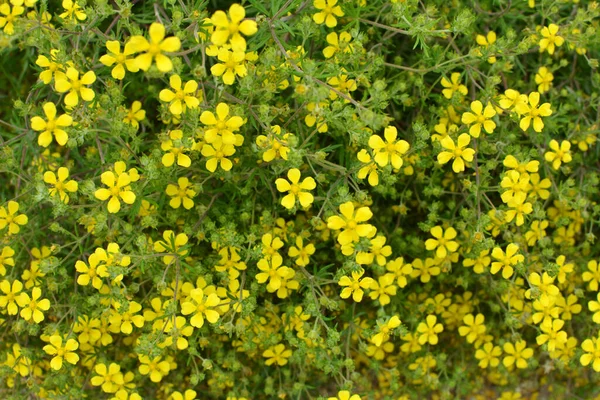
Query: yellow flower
10	295
276	144
232	64
351	223
355	285
488	355
429	330
72	9
369	169
171	244
32	307
70	82
480	263
153	50
506	261
8	17
301	253
442	241
479	118
473	327
94	272
532	113
453	85
338	44
459	152
592	275
118	187
277	354
342	84
550	39
181	194
201	307
135	115
384	329
552	333
156	368
231	29
329	10
295	189
485	41
60	352
122	60
383	288
50	64
559	154
390	150
517	354
272	272
6	259
175	150
222	126
425	270
400	270
217	154
188	395
60	184
51	126
543	79
10	218
109	378
122	319
345	395
181	97
591	347
511	99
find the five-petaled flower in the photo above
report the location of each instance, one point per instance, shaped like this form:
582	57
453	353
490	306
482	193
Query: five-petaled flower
297	190
52	126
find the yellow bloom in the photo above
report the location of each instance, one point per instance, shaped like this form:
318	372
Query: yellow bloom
550	39
351	223
506	261
222	126
9	295
277	354
156	368
488	355
60	184
32	307
110	378
181	194
295	189
591	347
10	218
181	97
52	126
231	28
72	9
473	327
8	17
94	272
442	241
50	64
70	82
301	253
459	152
6	259
217	154
328	11
517	354
390	150
355	285
345	395
153	50
543	79
276	144
61	352
532	113
118	188
486	41
122	319
175	150
232	64
201	307
369	169
171	244
338	44
122	60
453	85
135	115
559	154
428	330
479	118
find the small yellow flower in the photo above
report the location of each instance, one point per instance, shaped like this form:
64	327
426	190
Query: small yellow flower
351	223
532	113
389	151
561	153
155	368
544	79
296	189
61	352
428	330
355	285
301	253
232	63
459	152
338	44
222	126
122	60
442	241
231	28
180	98
517	354
506	261
453	85
171	244
110	378
153	50
488	355
328	11
70	82
72	9
473	327
486	41
135	115
8	17
181	194
201	307
52	126
217	154
550	39
51	65
10	218
277	354
345	395
175	150
32	307
94	272
60	184
10	295
479	118
369	169
118	188
591	347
